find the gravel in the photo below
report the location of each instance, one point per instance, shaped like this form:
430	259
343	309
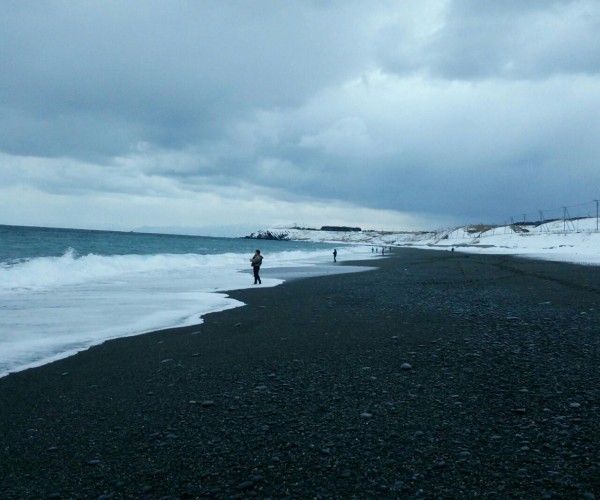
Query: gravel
437	375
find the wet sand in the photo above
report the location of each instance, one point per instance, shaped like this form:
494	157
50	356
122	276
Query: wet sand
437	375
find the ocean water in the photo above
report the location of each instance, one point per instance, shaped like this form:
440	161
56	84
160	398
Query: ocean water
64	290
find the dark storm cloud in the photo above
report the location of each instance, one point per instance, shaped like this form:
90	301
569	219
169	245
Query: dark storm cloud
460	107
155	71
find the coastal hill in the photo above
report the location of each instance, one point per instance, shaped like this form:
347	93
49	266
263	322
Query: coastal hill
573	240
351	235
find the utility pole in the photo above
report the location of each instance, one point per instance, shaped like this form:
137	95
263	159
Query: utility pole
596	215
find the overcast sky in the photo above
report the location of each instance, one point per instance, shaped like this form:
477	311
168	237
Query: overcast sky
399	114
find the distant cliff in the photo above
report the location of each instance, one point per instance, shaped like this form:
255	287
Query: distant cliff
340	234
268	235
297	233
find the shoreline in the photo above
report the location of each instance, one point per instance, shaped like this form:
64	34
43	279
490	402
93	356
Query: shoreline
548	241
305	391
281	274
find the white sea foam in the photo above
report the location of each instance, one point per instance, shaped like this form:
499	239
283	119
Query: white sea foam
52	272
53	307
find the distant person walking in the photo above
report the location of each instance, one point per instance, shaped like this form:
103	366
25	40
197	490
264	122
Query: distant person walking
256	262
334	255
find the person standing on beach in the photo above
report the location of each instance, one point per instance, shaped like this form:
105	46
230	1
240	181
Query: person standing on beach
334	255
256	262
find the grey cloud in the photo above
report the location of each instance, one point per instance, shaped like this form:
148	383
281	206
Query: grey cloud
176	73
509	40
465	108
461	148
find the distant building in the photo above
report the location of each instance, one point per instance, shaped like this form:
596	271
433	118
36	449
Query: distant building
341	228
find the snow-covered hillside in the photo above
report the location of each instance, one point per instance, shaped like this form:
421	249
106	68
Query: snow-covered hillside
575	240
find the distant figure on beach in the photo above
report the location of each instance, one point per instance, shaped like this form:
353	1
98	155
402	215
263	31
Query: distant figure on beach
334	255
256	262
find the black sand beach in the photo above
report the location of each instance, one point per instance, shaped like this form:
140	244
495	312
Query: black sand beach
437	375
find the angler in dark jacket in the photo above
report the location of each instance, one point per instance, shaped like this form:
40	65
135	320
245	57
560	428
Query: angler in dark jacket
256	262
